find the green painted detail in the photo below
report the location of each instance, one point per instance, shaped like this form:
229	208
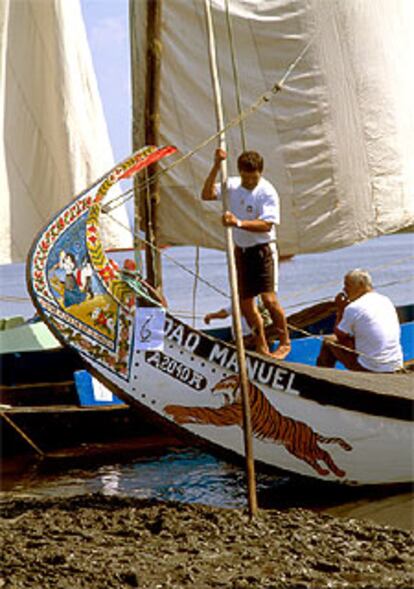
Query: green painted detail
11	322
141	291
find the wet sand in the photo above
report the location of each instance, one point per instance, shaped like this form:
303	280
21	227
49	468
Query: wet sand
397	511
96	541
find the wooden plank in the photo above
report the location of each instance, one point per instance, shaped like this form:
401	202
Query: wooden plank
62	409
138	446
36	385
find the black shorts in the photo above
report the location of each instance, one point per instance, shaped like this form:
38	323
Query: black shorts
255	270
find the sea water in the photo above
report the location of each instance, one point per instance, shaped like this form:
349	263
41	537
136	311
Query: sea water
193	475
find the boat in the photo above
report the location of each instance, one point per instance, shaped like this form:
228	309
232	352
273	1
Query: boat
53	410
334	149
355	428
51	146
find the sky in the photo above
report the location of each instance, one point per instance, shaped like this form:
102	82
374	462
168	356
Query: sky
107	28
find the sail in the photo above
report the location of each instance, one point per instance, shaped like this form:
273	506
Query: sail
54	139
337	140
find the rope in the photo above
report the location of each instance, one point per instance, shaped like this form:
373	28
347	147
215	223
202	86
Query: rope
10	298
137	242
219	114
319	287
174	261
348	349
306	333
308	302
13	299
262	99
195	283
235	74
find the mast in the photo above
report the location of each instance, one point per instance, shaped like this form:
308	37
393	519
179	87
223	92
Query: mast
147	199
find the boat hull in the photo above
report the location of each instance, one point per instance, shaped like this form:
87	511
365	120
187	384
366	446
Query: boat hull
195	384
332	425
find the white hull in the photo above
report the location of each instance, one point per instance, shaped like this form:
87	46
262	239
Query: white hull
380	448
351	428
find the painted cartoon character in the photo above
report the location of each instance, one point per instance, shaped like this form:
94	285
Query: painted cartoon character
84	279
267	423
76	286
72	294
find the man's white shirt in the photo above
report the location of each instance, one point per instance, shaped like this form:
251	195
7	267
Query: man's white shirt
260	203
372	320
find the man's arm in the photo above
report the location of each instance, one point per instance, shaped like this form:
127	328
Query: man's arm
268	215
221	314
209	189
345	339
254	225
341	301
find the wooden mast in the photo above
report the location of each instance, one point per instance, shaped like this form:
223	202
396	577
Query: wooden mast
147	199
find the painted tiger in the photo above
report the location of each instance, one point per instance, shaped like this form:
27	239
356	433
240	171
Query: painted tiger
267	424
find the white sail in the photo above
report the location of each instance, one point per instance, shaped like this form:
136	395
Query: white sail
54	139
337	140
5	249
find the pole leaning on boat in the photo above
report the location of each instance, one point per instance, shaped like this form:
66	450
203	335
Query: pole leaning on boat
241	357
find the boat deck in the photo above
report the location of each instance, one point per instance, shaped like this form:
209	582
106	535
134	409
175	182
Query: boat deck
394	385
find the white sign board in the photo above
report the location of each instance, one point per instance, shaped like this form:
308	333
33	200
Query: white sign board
149	328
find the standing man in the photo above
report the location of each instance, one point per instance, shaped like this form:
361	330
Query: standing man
254	212
367	325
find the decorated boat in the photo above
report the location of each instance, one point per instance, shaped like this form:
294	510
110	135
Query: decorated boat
355	428
54	142
53	409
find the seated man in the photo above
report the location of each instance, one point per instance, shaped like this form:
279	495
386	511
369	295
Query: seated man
367	326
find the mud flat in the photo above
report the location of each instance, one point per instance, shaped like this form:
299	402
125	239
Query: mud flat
394	510
97	541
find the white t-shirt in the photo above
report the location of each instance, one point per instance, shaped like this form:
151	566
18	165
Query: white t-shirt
372	320
260	203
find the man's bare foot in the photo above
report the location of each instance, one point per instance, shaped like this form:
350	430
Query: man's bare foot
263	351
282	351
267	352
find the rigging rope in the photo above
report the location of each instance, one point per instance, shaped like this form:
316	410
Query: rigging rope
242	115
262	99
235	74
195	283
219	112
308	290
185	313
238	120
173	260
